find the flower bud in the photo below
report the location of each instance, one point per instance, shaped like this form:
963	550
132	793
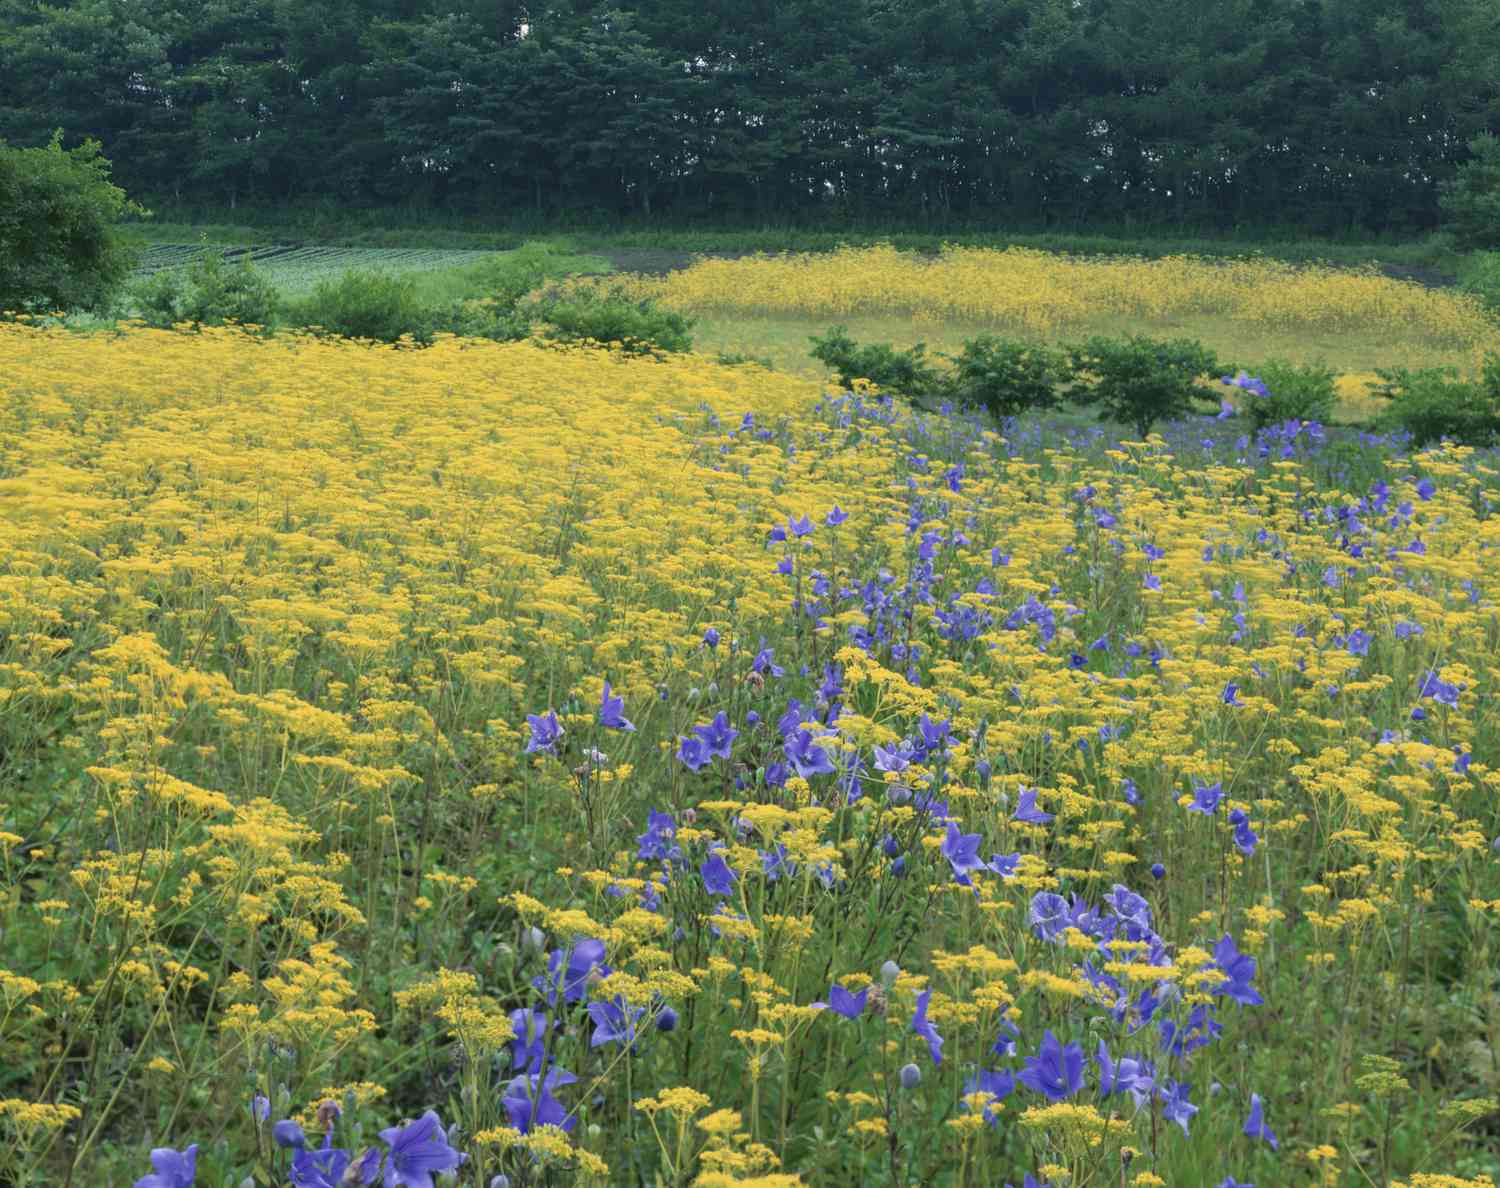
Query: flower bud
911	1076
533	940
287	1133
889	972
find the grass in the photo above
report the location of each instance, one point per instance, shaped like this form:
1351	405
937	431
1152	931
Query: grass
1433	254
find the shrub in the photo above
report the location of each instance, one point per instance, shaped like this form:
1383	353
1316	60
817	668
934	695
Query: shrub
1434	403
905	373
588	314
506	279
486	318
1289	392
208	292
1139	381
1479	274
1471	201
59	245
366	304
1006	377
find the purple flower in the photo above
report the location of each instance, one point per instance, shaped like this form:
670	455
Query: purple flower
718	736
1231	694
1026	809
1151	582
546	731
614	1022
612	712
1128	1076
836	517
962	852
800	527
171	1169
806	757
1206	798
570	972
528	1050
1056	1072
1049	914
764	664
1238	968
841	1002
328	1166
717	877
658	843
1439	690
1231	1182
711	637
529	1101
417	1150
1175	1106
1245	838
926	1030
692	751
1255	1124
998	1085
1426	489
260	1108
1158	871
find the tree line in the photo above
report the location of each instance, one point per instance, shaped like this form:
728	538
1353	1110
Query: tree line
1326	115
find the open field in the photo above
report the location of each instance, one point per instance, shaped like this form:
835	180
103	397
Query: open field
972	808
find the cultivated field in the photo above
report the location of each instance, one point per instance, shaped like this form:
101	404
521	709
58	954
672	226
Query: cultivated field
672	773
296	269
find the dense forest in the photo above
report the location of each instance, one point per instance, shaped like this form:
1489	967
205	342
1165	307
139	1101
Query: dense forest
1327	115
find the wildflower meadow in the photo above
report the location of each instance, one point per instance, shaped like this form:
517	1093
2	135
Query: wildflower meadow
520	765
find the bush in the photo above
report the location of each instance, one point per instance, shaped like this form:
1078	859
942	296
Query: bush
1291	392
60	248
208	292
1434	404
1479	275
486	318
1005	377
1139	381
904	373
587	314
366	304
1471	201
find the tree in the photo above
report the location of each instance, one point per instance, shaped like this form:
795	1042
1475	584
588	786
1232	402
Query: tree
1472	200
60	247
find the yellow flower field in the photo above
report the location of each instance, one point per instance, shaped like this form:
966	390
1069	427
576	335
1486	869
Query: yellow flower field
669	773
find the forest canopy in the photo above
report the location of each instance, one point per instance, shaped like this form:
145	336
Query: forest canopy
1328	115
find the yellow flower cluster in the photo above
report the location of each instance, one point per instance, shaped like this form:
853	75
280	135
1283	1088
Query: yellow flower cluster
1022	289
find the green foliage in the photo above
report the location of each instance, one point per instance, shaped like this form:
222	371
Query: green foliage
60	245
1479	274
368	305
1006	377
903	373
1139	381
1295	392
208	292
1471	201
578	314
1433	404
